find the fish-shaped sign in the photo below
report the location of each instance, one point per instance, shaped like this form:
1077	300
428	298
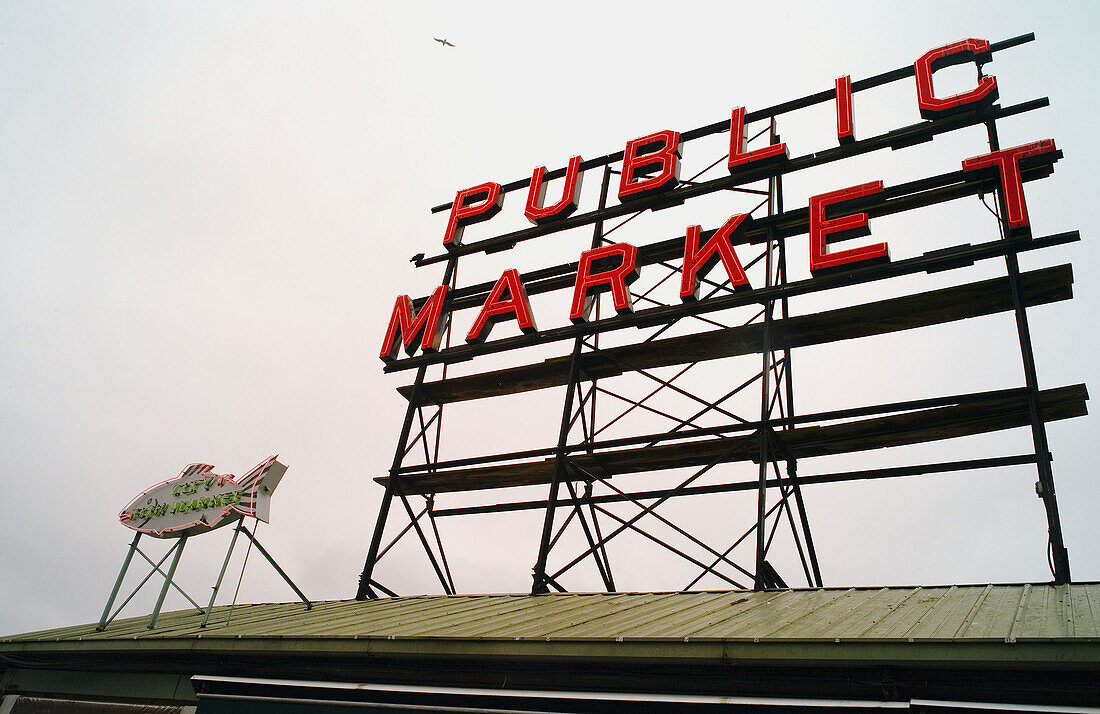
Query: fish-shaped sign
199	500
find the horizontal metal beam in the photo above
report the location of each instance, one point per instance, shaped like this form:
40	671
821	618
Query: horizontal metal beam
948	422
801	442
864	475
893	199
773	111
895	139
729	429
874	318
935	261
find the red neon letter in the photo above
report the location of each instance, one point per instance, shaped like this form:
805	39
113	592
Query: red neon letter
845	131
698	262
498	308
1012	185
570	194
429	320
739	153
956	53
659	151
615	279
850	226
472	205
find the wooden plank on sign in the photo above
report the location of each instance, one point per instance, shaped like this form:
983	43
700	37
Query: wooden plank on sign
912	427
961	302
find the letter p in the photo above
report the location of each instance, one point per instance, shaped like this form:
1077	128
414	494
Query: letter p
472	205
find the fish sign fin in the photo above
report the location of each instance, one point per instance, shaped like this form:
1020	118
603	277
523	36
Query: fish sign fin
194	470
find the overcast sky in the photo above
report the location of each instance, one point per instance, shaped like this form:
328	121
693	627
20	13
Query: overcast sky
207	209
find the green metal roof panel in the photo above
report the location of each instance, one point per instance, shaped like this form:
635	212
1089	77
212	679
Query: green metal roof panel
668	623
946	616
955	613
1085	610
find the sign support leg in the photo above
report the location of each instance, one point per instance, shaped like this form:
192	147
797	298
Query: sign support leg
539	585
264	553
167	581
365	579
788	384
221	574
760	579
118	583
1045	486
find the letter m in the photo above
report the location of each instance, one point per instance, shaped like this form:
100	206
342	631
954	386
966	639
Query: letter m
430	323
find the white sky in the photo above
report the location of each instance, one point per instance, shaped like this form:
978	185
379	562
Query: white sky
206	210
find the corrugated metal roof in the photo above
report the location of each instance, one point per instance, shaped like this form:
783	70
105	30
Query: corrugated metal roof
1005	613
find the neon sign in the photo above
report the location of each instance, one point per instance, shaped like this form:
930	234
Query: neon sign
198	500
650	167
752	248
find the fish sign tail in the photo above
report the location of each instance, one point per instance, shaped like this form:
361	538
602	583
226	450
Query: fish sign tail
258	484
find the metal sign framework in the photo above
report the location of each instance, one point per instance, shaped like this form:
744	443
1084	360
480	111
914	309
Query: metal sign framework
176	552
579	469
196	502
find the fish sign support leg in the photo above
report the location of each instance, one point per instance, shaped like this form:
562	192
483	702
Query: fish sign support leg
221	573
265	554
167	581
104	619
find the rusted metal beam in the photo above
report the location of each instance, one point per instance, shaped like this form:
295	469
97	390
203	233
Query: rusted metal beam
875	318
914	427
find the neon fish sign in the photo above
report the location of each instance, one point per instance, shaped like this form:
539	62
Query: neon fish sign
199	500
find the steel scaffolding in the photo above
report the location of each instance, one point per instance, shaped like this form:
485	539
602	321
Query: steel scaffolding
579	469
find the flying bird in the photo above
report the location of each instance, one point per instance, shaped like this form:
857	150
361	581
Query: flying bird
443	42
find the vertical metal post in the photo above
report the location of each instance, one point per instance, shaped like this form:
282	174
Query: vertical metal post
578	507
221	573
365	590
599	536
539	583
765	396
1045	486
603	562
788	384
118	582
765	455
424	542
449	585
156	569
429	507
167	581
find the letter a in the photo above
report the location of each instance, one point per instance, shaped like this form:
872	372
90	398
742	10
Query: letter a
498	308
